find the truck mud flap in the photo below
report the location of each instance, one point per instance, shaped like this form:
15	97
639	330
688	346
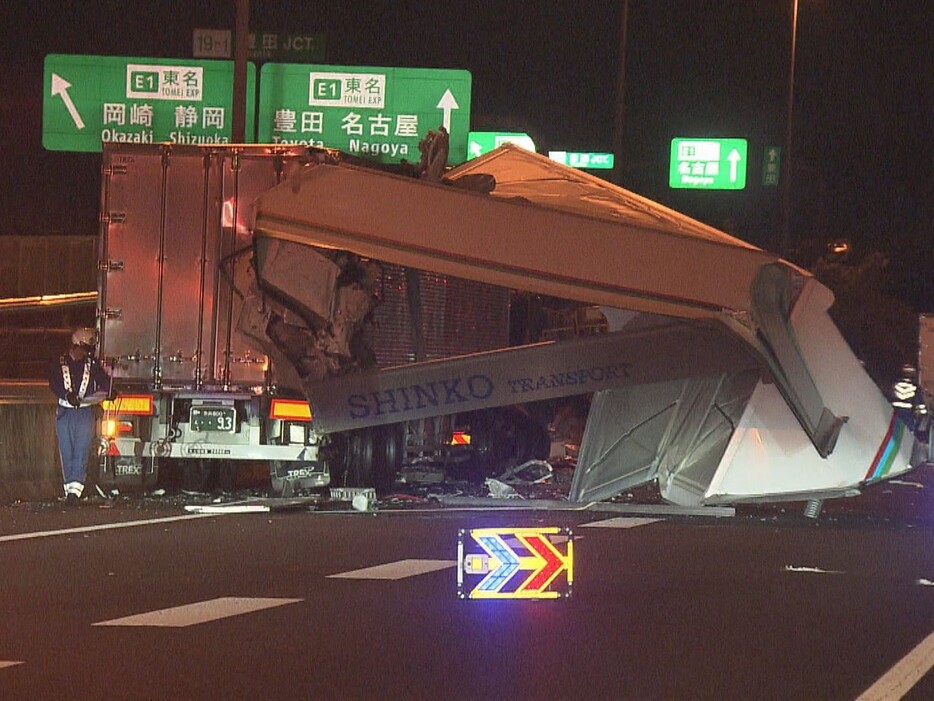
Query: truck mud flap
288	476
126	472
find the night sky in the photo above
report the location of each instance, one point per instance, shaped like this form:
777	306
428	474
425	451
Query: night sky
863	139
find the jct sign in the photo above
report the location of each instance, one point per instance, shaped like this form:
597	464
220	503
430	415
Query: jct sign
378	113
88	100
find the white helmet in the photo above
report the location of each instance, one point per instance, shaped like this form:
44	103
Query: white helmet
84	337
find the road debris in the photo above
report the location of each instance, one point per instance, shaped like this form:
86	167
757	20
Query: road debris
501	490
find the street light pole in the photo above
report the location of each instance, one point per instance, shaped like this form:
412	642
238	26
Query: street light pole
619	120
786	169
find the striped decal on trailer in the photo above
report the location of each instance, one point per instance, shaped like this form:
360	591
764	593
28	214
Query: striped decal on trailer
885	456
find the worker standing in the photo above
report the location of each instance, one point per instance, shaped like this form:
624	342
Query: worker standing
79	382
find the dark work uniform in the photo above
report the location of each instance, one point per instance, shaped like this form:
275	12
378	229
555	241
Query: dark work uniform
74	425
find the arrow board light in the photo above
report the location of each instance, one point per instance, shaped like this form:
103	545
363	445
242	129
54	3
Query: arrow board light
515	563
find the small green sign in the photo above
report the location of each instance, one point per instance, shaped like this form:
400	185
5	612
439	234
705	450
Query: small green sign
771	166
263	46
708	164
586	161
480	142
376	113
88	100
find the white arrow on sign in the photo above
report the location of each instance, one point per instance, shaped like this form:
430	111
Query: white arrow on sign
475	149
447	103
733	158
60	87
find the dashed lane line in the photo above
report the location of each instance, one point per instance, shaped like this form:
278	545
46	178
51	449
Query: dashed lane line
98	527
899	680
397	570
201	612
620	522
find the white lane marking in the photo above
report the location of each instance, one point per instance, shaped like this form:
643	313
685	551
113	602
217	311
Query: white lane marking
397	570
201	612
899	680
4	663
814	570
620	522
99	527
228	509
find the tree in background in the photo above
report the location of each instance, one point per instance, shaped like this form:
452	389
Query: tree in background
881	329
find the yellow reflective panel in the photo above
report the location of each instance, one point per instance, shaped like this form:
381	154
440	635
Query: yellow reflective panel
515	563
290	409
130	404
460	438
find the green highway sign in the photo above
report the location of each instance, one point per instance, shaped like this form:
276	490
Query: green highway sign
480	142
588	161
708	164
771	165
88	100
376	113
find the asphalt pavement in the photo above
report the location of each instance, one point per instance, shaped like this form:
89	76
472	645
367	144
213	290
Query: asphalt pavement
196	596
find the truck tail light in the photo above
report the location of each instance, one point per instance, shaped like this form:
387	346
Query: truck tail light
138	404
111	428
290	410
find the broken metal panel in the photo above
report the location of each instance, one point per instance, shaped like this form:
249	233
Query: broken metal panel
693	453
772	308
621	441
680	443
298	274
517	173
523	374
770	458
514	244
457	316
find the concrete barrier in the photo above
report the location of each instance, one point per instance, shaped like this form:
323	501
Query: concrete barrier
30	466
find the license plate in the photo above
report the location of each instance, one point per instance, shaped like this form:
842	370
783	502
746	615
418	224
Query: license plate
213	418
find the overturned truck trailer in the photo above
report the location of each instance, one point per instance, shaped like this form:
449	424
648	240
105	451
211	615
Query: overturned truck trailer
209	333
722	375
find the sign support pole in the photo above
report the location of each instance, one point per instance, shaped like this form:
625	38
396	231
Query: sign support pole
241	41
619	122
786	242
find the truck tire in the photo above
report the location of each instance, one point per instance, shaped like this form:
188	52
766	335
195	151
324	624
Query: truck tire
361	454
334	452
389	450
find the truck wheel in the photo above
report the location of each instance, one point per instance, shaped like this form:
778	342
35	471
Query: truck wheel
389	451
334	452
360	468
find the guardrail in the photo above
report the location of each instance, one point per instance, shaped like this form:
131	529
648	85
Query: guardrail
29	461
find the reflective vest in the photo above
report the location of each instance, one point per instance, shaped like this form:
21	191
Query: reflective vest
69	387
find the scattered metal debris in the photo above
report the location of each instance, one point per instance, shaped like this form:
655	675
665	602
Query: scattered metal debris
501	490
531	472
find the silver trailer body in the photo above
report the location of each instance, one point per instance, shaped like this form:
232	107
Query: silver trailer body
171	217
